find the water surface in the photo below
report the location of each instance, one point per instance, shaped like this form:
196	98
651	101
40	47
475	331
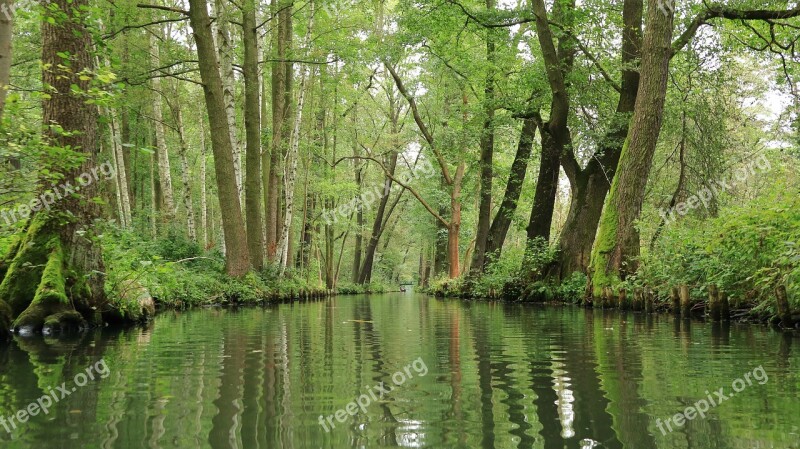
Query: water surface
471	374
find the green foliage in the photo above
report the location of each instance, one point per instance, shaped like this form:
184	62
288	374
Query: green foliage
357	289
747	251
177	274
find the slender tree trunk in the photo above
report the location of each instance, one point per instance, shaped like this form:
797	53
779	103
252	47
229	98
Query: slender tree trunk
544	199
252	123
6	32
162	152
225	50
454	228
153	198
519	169
293	155
614	255
123	188
365	276
279	120
487	154
203	198
185	175
237	260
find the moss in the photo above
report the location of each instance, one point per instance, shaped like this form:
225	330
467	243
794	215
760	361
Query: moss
21	282
8	253
62	322
606	242
50	303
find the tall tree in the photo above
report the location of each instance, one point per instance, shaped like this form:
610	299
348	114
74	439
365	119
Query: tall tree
519	169
556	138
487	154
292	157
58	248
590	184
237	261
615	252
162	151
252	124
6	31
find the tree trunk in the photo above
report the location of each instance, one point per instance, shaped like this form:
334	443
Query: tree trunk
252	124
237	260
555	132
6	32
441	259
519	169
293	155
614	255
590	185
203	195
162	153
183	151
123	186
51	279
544	199
487	154
365	276
225	50
280	112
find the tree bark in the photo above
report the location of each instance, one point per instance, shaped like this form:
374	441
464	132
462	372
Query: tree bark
225	50
519	169
53	278
123	186
293	155
204	222
555	132
183	151
252	123
237	260
6	32
591	184
162	152
487	154
614	255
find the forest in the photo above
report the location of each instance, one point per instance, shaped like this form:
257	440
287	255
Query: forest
627	153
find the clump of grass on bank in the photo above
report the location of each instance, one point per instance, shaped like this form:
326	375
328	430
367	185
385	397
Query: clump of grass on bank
178	273
358	289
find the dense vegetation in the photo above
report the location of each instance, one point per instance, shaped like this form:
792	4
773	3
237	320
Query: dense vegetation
245	151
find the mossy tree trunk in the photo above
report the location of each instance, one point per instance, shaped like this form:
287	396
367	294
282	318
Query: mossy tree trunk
617	247
53	278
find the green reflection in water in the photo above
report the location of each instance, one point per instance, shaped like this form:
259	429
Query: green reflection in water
498	375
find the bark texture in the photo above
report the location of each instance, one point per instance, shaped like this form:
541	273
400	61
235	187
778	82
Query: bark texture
252	124
614	255
237	260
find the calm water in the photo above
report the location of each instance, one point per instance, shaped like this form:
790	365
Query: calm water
461	374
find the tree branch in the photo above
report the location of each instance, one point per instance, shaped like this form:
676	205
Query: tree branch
724	12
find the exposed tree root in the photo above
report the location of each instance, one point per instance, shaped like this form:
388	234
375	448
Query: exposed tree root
38	290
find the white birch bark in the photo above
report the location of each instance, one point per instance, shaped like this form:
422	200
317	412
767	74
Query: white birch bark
164	173
290	164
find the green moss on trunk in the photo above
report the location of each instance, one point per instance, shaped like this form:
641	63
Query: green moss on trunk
603	272
36	292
